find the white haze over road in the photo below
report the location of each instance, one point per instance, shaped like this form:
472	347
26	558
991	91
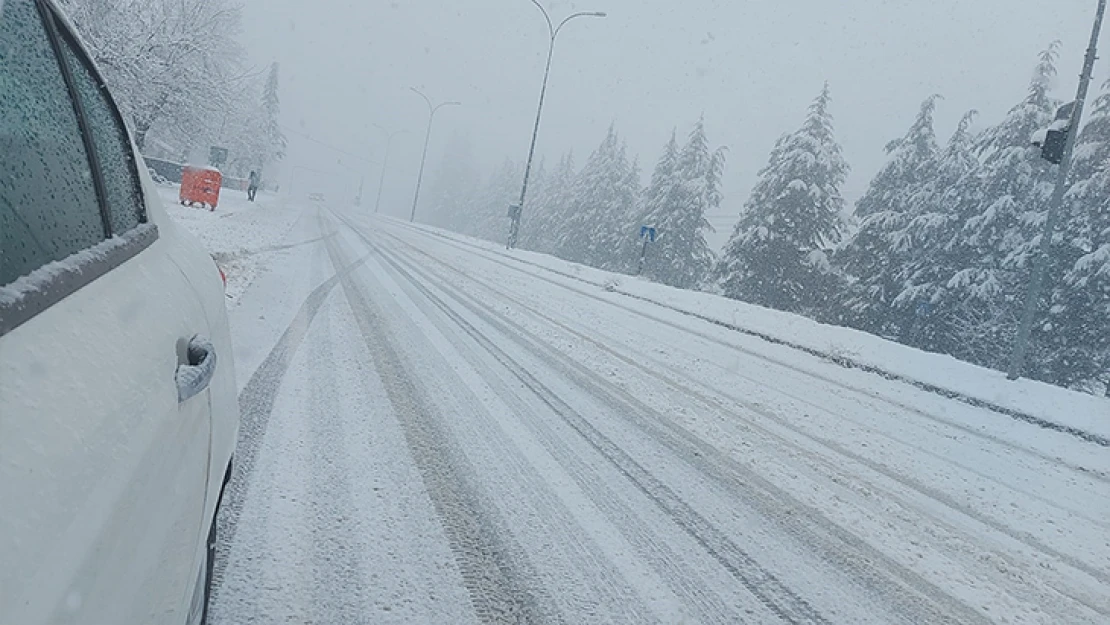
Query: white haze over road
750	66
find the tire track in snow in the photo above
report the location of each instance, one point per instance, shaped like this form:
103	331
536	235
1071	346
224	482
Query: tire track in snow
761	583
336	553
1093	603
866	395
882	575
575	547
492	568
674	567
226	257
684	578
906	482
256	403
843	362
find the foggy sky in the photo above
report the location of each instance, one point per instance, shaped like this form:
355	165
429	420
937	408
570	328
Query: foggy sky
750	66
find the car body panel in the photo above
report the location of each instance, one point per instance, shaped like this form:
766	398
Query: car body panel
102	473
108	484
204	280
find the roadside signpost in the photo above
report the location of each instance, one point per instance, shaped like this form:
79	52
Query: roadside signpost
647	235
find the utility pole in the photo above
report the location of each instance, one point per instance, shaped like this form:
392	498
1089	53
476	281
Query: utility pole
1044	250
427	138
553	32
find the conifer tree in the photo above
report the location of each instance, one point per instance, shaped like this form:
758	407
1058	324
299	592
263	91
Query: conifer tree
602	205
1002	209
549	207
684	187
273	139
925	303
777	256
875	253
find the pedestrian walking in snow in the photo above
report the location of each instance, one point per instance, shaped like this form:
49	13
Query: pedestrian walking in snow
252	186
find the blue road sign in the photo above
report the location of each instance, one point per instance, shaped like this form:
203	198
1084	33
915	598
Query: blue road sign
648	232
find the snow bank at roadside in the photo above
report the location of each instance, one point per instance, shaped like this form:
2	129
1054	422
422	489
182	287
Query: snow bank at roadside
238	233
1046	405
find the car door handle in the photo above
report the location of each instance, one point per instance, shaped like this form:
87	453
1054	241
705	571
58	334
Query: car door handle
194	377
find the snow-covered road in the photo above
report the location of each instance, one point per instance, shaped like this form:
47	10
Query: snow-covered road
435	432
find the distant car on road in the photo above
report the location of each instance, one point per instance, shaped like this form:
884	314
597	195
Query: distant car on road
316	197
118	410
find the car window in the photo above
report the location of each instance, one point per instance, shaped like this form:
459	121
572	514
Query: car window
113	149
48	202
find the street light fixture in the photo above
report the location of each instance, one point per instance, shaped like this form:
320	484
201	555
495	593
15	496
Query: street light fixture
427	137
385	162
553	31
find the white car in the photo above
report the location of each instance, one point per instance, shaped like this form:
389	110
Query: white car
118	410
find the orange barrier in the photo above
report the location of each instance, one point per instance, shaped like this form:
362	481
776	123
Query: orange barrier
200	185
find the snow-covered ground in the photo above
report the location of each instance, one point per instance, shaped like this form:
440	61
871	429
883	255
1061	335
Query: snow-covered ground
238	234
1028	399
435	431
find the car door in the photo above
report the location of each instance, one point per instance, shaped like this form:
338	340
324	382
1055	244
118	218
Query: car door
103	454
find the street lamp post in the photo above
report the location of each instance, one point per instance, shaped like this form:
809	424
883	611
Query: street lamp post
427	137
385	163
553	31
1040	260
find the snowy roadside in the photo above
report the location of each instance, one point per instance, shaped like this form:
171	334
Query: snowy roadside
1050	406
238	234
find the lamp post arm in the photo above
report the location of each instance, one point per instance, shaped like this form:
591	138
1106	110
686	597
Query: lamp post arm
421	94
550	27
555	32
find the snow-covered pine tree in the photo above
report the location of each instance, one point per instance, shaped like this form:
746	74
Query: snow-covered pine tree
660	199
1002	213
777	256
1074	349
1092	147
1072	342
273	139
548	208
619	243
875	253
238	127
684	187
935	223
1081	310
602	205
896	183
